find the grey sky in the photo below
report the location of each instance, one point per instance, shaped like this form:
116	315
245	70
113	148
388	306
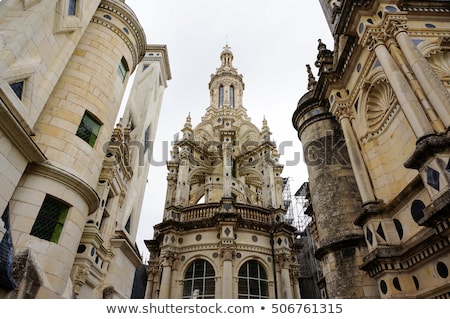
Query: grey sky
272	41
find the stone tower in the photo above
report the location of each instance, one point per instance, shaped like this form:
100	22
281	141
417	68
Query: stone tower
67	168
224	232
385	88
334	199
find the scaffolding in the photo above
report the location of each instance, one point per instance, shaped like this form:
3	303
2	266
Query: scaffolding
297	209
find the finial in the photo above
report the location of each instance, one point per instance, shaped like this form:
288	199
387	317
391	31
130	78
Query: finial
321	45
311	79
188	121
264	122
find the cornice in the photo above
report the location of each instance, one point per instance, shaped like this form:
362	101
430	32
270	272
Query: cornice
406	257
121	11
122	243
18	134
62	176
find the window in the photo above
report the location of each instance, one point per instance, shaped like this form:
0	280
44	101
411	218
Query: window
199	281
88	129
128	224
123	69
72	9
50	219
132	125
232	96
252	282
147	138
220	95
17	87
233	168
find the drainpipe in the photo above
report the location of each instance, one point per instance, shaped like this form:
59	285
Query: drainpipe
272	242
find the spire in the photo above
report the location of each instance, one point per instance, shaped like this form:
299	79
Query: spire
188	133
265	131
324	58
226	58
188	124
226	85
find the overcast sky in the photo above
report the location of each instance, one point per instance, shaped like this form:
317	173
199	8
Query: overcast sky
271	40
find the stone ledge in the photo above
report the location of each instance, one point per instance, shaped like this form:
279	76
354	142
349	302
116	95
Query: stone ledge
426	147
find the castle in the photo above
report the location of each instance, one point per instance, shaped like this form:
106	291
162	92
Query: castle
374	127
373	123
73	179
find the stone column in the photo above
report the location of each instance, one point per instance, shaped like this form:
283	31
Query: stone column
268	189
227	275
427	77
182	191
408	101
295	275
359	168
164	289
150	282
286	290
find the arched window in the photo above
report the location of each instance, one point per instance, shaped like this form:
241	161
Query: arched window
199	281
232	96
253	282
221	91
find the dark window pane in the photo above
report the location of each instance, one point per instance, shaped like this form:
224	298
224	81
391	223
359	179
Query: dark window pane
50	220
209	270
123	69
242	286
254	286
187	289
128	225
264	288
88	129
72	10
199	270
221	95
252	281
253	270
262	273
196	282
18	88
243	271
210	286
190	272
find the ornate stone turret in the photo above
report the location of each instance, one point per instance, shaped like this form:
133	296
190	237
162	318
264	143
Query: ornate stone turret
224	200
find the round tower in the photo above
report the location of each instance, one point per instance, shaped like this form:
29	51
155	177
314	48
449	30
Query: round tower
334	198
56	196
81	112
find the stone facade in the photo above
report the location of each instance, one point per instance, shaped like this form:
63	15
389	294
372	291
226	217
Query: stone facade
224	232
72	184
384	92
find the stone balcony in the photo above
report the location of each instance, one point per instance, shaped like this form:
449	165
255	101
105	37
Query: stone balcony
209	214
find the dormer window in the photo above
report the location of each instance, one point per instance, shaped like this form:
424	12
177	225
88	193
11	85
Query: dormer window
221	92
232	96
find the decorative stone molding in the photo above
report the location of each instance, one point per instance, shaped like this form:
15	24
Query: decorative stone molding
61	176
108	292
228	253
168	258
137	45
27	4
80	276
